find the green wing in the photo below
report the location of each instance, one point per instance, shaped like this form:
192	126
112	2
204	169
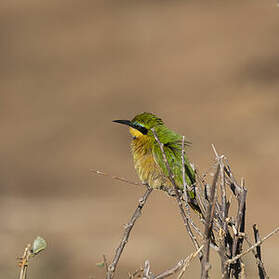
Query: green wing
172	148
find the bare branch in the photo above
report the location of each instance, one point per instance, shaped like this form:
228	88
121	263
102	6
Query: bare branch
252	247
116	177
23	263
127	230
170	271
223	231
236	189
208	226
39	244
258	254
223	189
240	227
146	271
168	190
180	266
188	260
105	262
229	230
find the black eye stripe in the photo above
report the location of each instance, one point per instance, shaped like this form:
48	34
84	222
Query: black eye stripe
143	130
140	128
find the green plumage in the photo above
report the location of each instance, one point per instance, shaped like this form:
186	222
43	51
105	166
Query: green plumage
173	149
148	157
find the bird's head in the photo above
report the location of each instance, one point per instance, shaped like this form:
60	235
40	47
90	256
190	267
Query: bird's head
142	124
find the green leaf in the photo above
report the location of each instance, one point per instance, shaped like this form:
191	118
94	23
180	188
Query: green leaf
39	244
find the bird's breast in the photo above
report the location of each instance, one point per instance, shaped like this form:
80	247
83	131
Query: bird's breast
146	167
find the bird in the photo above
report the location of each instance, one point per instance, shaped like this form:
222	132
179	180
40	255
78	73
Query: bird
148	158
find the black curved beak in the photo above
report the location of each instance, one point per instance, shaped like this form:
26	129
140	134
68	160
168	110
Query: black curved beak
125	122
140	128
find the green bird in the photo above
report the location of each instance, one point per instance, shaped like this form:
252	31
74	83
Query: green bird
148	158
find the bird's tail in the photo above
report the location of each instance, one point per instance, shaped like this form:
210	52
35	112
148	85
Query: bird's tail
194	205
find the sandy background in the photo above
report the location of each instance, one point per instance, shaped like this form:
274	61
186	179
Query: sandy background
210	69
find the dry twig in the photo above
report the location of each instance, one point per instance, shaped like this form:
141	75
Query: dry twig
116	177
127	230
258	254
223	231
180	266
215	207
146	271
39	244
208	226
230	261
188	260
168	190
24	260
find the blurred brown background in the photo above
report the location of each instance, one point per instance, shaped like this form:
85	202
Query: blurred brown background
210	69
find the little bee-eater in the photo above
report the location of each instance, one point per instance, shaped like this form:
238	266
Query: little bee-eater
148	158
